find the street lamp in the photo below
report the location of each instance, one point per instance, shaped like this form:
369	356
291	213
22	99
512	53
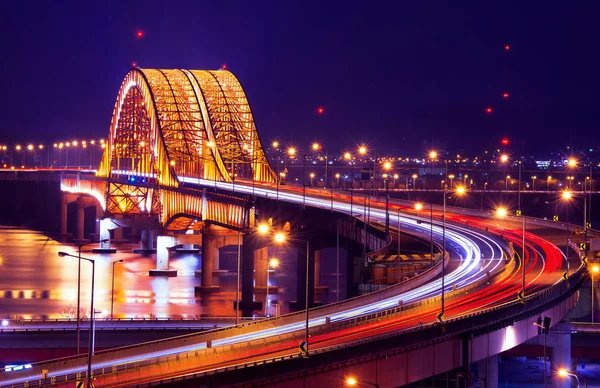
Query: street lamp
501	212
451	176
548	180
280	237
348	157
273	263
419	207
562	372
595	270
387	166
352	382
79	246
533	178
92	317
545	327
112	289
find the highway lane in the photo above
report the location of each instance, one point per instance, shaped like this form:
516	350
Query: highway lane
471	268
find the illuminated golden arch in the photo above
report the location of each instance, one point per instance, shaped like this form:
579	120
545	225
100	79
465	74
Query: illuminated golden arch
195	123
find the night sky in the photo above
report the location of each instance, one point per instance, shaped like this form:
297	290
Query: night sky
400	75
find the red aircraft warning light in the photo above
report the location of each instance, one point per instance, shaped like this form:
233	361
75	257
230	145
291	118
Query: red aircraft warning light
140	34
133	64
507	47
224	66
504	95
505	141
488	110
320	110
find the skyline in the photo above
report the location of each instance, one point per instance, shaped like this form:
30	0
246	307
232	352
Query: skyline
415	74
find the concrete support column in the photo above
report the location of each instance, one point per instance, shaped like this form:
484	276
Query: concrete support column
319	289
63	215
146	242
559	339
302	273
80	221
488	371
247	303
99	214
118	234
106	224
209	249
261	260
163	245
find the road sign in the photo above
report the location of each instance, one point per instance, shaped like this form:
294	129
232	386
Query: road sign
44	373
588	225
576	231
303	346
521	295
566	275
584	259
519	213
79	384
555	218
582	246
440	318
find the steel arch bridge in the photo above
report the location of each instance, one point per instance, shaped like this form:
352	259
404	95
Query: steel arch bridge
171	123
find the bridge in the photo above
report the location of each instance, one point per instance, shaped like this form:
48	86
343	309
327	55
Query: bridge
183	162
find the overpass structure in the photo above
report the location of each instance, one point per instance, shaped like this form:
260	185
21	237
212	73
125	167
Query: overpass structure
183	158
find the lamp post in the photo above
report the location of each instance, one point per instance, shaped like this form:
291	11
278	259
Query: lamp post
419	207
565	373
533	178
387	166
92	317
237	289
280	238
112	289
275	145
501	212
79	246
595	270
271	263
398	258
348	157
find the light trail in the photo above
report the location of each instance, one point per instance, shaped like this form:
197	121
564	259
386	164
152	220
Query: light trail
464	241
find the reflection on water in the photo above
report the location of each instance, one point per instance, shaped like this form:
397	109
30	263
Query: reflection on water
36	283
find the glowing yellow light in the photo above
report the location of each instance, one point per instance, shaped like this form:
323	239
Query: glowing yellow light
41	146
67	144
103	145
534	177
18	147
315	146
595	268
504	158
460	190
572	162
385	176
312	174
273	263
263	228
172	163
279	237
414	176
92	142
337	175
245	146
562	372
432	154
102	141
142	144
275	144
501	212
291	151
74	142
387	165
418	206
362	150
210	144
451	176
347	155
549	178
351	381
30	147
395	176
567	194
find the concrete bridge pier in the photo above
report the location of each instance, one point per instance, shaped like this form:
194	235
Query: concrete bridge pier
146	242
559	339
488	371
300	302
319	289
163	247
210	256
106	224
80	229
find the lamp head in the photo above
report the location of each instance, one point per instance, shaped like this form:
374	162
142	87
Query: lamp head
562	372
63	254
